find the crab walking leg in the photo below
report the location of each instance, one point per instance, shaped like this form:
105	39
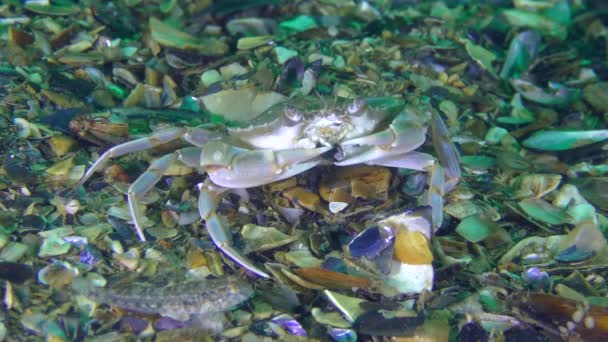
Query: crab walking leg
411	160
144	183
446	152
437	186
422	162
208	200
137	145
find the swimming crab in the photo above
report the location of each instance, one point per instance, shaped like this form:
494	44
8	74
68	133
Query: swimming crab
288	139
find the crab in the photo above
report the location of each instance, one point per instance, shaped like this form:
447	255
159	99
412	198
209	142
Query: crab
291	138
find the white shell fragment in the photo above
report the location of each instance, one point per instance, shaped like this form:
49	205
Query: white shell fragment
410	278
240	105
264	238
336	207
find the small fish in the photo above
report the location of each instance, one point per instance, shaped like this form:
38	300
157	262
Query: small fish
178	301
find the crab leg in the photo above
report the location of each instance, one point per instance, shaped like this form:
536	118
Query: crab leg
137	145
422	162
144	183
208	200
197	136
411	160
446	151
435	194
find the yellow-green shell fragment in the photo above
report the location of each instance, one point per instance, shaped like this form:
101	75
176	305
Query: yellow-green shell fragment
564	140
349	306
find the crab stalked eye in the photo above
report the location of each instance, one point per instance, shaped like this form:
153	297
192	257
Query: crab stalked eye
356	106
293	114
332	117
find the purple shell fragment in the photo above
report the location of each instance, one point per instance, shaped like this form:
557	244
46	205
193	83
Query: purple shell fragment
90	255
342	335
371	242
536	278
132	323
167	323
290	324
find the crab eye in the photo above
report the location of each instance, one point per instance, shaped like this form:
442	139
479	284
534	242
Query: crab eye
332	117
356	106
293	114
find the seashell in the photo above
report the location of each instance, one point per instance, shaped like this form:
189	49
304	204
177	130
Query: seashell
167	35
350	307
342	335
210	77
304	198
536	279
53	246
370	242
407	278
61	144
333	319
412	247
536	185
260	238
414	183
248	43
299	280
240	105
195	258
331	279
336	207
302	257
152	96
125	76
387	323
290	324
544	211
522	52
595	95
251	26
26	129
362	181
232	70
284	54
13	251
58	274
461	209
584	241
564	140
557	95
476	228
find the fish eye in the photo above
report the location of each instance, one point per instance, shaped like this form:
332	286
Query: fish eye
356	106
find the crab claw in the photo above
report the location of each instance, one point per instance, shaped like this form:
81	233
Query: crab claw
401	137
235	167
208	200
